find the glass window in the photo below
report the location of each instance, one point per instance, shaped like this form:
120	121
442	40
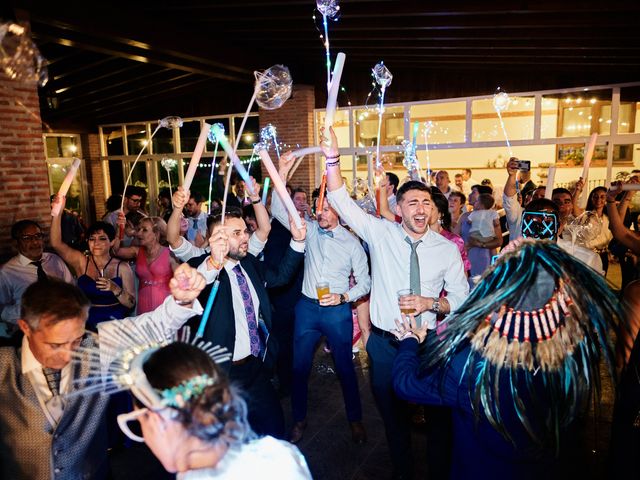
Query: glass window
113	140
340	126
116	177
576	114
629	114
163	141
447	119
250	134
517	118
626	154
136	138
189	133
572	155
391	130
61	146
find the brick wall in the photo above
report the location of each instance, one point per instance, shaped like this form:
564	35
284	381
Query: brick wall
294	124
95	176
23	172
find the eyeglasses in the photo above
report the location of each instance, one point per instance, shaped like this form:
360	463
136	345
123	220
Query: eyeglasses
36	237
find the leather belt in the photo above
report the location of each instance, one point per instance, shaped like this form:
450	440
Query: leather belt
382	333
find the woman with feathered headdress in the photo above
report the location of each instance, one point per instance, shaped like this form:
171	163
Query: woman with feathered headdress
517	363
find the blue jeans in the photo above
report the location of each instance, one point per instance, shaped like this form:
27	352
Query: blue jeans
313	321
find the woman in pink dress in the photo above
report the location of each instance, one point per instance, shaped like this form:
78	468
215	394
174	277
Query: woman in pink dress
440	222
154	263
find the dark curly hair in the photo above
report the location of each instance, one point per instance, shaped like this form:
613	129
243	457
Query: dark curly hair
218	414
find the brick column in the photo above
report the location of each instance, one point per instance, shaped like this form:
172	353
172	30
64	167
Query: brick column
24	183
294	124
95	176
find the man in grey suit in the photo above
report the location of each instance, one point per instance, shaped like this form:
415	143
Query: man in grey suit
44	434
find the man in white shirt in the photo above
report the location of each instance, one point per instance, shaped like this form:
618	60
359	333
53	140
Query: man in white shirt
44	434
30	265
443	183
332	254
406	255
468	181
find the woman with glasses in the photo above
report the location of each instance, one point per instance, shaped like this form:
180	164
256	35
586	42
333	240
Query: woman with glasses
154	263
105	280
195	422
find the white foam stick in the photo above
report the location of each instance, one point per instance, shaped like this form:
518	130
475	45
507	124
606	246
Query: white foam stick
195	158
278	184
585	168
609	169
226	146
66	183
332	98
551	177
630	187
301	152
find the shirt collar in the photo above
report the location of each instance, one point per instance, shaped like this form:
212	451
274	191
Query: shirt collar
29	362
24	261
405	234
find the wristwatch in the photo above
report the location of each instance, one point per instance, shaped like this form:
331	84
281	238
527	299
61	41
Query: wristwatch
435	308
343	299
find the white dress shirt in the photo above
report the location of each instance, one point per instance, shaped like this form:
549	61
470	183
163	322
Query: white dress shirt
168	317
329	258
513	211
18	273
186	250
192	231
440	263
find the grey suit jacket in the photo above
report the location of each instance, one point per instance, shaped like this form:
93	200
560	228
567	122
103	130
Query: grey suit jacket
30	447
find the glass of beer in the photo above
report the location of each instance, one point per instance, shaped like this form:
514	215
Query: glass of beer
323	289
405	293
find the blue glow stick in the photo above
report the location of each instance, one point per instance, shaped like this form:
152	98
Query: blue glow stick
207	310
224	143
415	134
213	173
265	190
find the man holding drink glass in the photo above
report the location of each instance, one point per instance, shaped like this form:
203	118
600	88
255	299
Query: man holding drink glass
332	254
405	255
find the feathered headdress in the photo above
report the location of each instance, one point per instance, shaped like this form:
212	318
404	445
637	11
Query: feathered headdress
536	325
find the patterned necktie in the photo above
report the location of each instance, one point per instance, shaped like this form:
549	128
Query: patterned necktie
328	233
414	272
42	276
195	224
249	309
53	380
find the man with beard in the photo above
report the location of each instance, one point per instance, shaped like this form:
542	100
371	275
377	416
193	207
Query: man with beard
333	253
406	255
241	317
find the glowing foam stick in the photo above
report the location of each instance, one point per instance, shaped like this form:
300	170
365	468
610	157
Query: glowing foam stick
226	146
64	188
550	181
207	310
278	184
585	168
265	190
195	157
301	152
332	97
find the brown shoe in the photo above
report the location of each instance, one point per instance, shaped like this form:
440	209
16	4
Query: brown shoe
297	431
358	433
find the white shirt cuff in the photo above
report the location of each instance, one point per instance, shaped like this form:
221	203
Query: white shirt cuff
297	246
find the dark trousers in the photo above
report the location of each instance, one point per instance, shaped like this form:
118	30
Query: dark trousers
283	321
313	321
395	414
394	411
264	409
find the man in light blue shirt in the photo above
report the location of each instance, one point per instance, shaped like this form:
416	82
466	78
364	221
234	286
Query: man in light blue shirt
197	218
406	255
332	254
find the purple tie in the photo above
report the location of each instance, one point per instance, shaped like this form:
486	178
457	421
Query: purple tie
249	310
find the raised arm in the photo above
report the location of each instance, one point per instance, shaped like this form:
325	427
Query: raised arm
262	216
621	233
73	257
512	170
278	209
180	199
577	193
